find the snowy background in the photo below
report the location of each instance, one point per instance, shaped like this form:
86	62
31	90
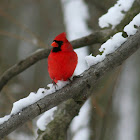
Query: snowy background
99	118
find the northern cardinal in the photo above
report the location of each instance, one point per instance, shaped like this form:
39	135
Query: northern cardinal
62	59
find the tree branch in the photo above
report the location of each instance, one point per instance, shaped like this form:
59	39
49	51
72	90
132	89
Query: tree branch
79	89
57	129
96	37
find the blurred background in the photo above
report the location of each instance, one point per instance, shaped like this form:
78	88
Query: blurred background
28	25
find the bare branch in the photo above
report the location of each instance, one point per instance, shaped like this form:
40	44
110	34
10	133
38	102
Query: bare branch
96	37
80	87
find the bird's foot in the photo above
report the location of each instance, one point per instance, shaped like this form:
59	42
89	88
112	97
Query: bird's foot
77	76
70	80
54	84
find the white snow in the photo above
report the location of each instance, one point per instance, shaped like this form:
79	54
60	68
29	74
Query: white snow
130	29
115	42
46	118
82	134
83	113
32	98
115	14
108	47
80	123
5	118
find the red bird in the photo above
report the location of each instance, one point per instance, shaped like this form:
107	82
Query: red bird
62	60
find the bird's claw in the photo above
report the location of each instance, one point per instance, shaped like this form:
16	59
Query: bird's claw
77	76
69	80
54	84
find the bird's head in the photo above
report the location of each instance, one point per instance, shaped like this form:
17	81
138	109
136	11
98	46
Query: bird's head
60	42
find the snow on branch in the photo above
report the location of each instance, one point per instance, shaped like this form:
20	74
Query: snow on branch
95	37
32	98
46	118
80	87
131	28
115	14
113	43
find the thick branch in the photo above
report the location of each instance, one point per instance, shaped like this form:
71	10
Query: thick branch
96	37
79	88
57	129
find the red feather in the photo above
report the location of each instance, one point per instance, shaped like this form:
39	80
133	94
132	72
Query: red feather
62	60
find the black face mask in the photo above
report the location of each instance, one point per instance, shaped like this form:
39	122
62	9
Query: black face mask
57	49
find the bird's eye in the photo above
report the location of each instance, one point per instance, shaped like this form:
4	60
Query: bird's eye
58	42
61	42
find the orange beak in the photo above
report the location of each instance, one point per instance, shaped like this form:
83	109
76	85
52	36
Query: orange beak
54	44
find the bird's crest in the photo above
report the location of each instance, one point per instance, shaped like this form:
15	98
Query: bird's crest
61	37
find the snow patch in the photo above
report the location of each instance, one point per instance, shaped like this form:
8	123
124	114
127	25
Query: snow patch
115	14
46	118
130	29
108	47
32	98
80	124
5	118
82	134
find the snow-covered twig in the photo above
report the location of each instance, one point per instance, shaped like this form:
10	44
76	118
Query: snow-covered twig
79	89
95	37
